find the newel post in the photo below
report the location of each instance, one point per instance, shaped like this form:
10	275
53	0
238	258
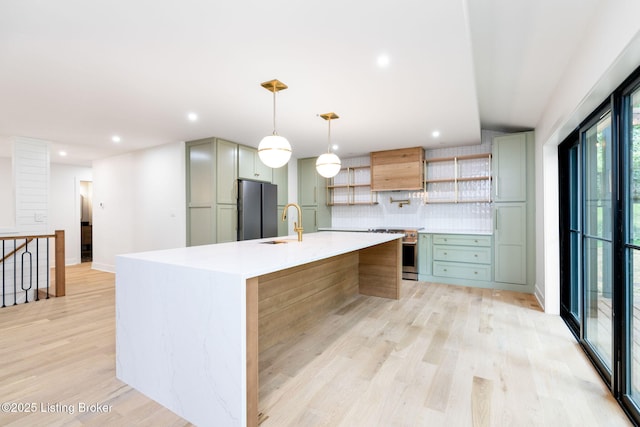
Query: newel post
60	285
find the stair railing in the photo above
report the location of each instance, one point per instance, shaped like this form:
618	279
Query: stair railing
19	269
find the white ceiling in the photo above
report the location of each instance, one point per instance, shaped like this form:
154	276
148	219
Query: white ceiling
77	72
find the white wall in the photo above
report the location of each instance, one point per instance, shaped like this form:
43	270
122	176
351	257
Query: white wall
138	203
610	51
7	194
31	178
65	206
31	184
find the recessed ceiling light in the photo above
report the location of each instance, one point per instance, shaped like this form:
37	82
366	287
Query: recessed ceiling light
62	153
116	139
192	117
334	147
435	133
383	61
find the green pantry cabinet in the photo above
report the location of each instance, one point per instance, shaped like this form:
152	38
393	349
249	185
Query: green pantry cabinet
504	260
312	196
213	168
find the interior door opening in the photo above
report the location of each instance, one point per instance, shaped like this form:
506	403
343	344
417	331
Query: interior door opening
86	221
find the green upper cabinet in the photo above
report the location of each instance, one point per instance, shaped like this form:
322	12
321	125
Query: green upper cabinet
510	167
307	182
226	172
251	167
312	196
281	179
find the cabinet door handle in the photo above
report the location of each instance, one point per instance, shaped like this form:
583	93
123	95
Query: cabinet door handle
475	255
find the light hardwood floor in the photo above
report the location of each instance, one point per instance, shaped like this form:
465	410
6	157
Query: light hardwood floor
440	356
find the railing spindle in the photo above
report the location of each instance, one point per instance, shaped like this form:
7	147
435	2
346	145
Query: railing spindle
38	269
3	275
48	269
15	279
22	257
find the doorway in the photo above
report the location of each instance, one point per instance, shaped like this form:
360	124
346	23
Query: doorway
86	221
599	171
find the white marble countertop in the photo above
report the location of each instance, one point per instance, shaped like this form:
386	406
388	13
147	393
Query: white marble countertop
251	258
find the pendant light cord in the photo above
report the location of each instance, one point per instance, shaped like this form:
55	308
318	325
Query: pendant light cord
329	142
274	109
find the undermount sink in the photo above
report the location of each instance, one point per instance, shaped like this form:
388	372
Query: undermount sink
274	242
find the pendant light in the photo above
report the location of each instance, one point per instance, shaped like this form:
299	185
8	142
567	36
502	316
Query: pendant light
328	164
274	150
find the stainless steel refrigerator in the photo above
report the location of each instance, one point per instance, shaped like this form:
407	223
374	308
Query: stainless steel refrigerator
257	210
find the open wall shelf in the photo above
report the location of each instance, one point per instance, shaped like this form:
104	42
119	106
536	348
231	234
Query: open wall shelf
352	186
458	179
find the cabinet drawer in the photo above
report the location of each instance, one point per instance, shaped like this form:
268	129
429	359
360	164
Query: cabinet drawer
462	271
476	255
461	240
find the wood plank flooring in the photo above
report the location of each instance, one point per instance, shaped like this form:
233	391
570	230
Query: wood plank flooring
440	356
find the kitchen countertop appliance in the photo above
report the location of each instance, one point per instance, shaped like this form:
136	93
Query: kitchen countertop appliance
409	249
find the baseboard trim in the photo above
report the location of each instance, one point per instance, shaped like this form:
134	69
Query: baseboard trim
103	267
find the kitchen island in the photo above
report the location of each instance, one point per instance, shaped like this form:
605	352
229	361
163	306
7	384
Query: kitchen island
190	322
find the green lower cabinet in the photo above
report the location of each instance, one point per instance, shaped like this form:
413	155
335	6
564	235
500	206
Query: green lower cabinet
309	219
227	223
511	243
424	256
462	254
478	260
460	270
462	239
462	259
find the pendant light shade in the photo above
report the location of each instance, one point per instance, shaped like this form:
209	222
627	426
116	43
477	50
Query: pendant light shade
274	150
328	164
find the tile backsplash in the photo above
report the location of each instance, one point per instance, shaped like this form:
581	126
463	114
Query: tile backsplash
437	217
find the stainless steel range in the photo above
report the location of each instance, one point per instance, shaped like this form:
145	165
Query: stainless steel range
409	249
